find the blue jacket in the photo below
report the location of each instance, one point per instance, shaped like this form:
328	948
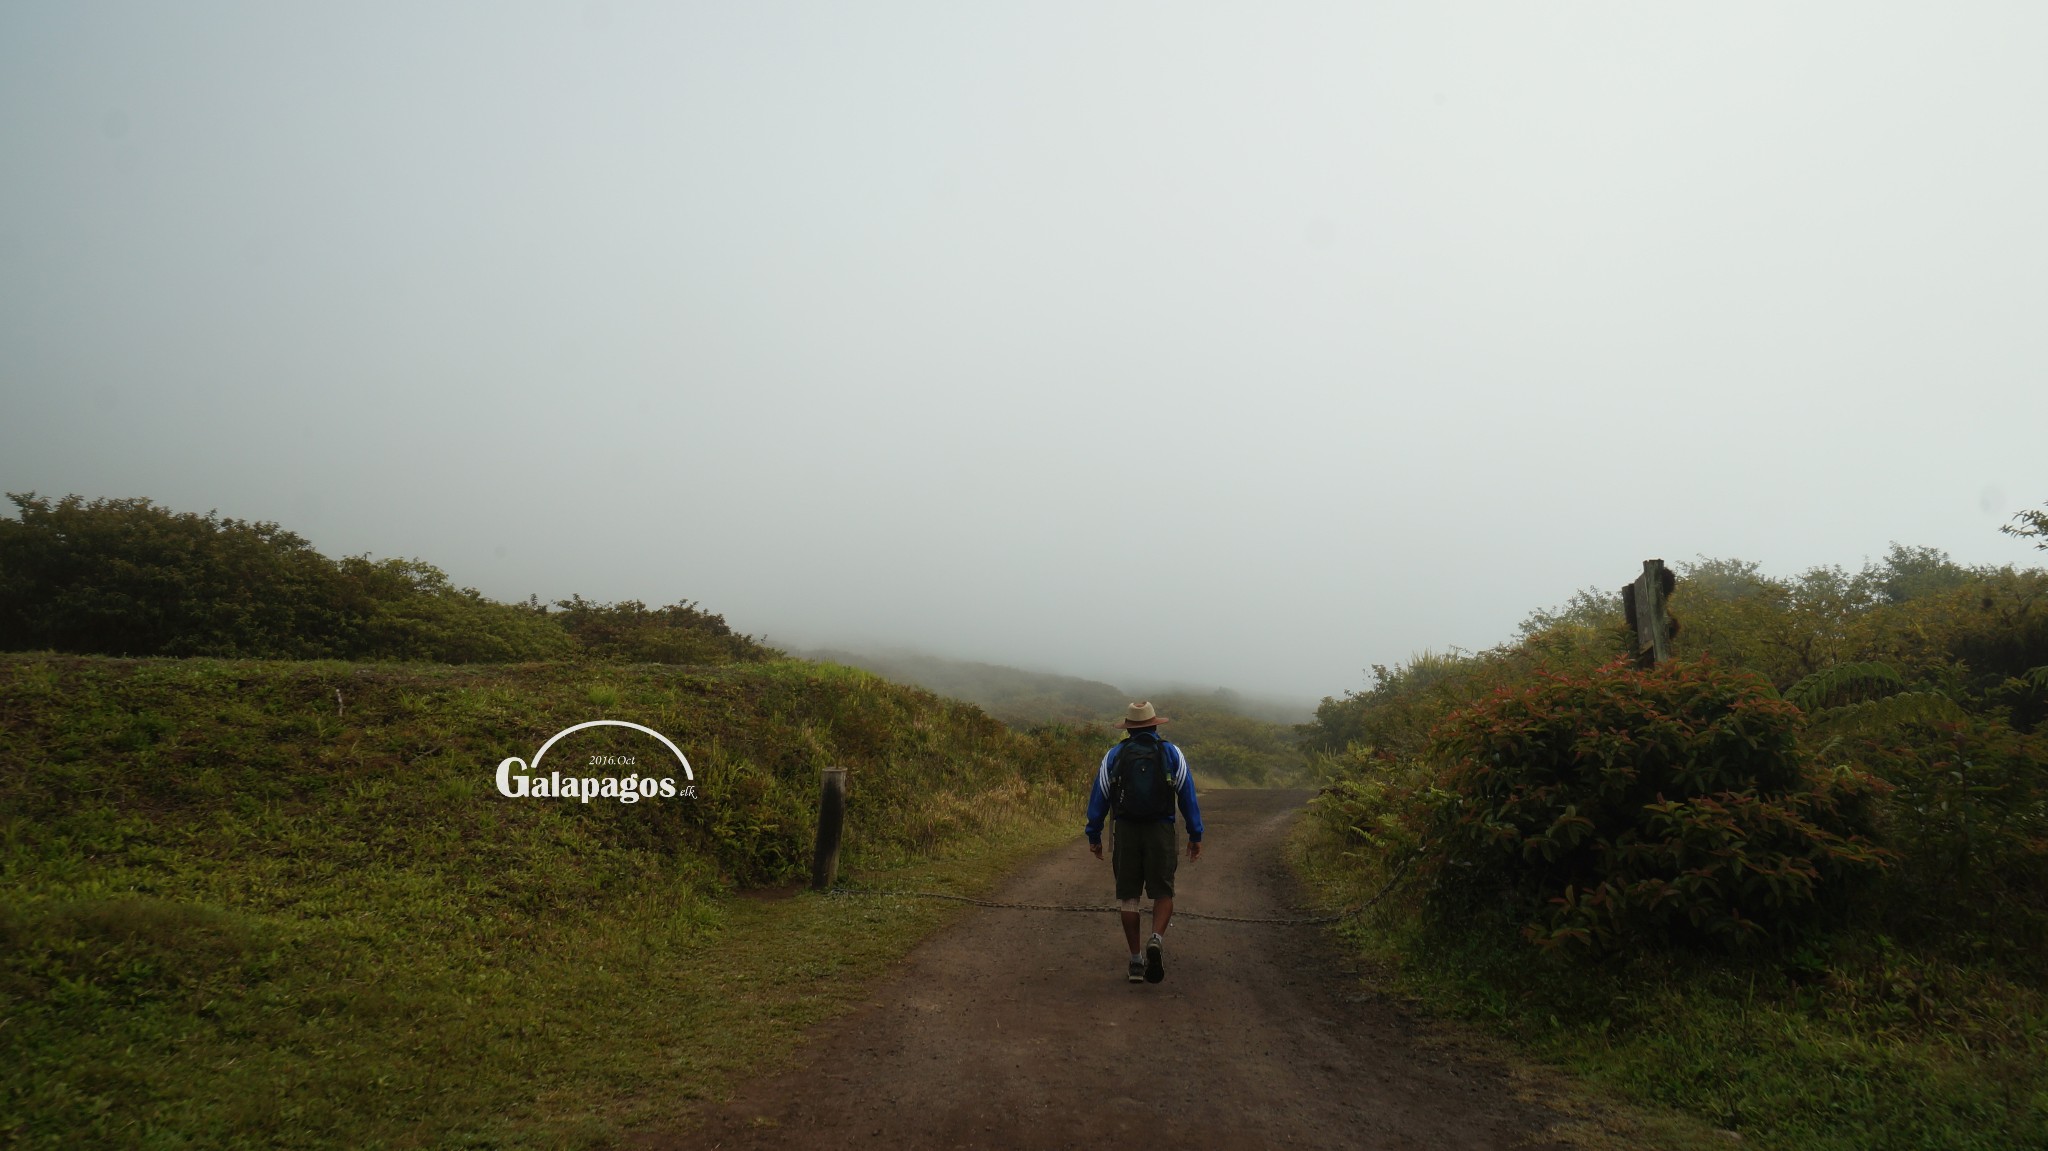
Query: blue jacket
1177	773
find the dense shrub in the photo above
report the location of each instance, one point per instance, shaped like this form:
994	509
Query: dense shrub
412	611
126	577
1928	617
1926	677
632	632
1903	702
1967	815
1624	805
1398	712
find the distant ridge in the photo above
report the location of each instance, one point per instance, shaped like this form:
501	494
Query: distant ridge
1228	737
1013	695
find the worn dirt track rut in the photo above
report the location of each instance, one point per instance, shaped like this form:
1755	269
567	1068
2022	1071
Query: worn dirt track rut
1017	1029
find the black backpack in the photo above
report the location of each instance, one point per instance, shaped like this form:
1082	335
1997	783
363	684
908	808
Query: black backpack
1138	787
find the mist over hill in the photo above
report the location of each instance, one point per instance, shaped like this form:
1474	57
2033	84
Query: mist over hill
1016	695
1011	694
1227	735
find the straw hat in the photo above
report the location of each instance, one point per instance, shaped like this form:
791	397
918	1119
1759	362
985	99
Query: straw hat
1140	715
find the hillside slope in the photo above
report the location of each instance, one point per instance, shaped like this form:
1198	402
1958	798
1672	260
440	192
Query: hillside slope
1231	739
1013	695
284	904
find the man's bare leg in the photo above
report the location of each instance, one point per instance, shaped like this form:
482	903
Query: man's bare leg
1131	930
1162	914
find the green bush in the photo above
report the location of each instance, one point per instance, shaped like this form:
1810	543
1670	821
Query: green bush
631	632
1909	1013
1397	713
1619	806
415	613
1967	815
126	577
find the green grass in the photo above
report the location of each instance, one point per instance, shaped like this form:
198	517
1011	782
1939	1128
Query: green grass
235	912
1853	1045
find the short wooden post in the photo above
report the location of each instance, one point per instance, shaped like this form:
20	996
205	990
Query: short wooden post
1642	601
831	822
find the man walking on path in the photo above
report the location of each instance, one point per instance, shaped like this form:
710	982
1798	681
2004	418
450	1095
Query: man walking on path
1142	780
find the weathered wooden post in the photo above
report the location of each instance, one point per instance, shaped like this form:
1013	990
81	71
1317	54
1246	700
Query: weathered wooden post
831	821
1643	603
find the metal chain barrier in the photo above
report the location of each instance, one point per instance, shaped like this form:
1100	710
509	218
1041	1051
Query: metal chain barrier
1090	909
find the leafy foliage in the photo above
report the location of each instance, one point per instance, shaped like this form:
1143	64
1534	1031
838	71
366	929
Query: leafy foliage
1844	683
631	632
1842	1042
1967	815
1910	697
1642	806
2030	524
126	577
1403	705
1897	715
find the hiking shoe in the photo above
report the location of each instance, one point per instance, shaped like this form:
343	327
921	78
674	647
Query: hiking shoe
1155	959
1137	971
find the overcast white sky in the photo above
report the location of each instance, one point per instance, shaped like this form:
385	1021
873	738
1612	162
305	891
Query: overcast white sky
1242	344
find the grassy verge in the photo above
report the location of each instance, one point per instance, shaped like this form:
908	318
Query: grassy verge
1854	1046
238	912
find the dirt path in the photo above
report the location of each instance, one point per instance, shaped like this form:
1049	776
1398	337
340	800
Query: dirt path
1016	1029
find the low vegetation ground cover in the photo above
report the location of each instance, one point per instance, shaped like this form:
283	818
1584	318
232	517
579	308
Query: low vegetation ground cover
281	904
1794	884
1847	1042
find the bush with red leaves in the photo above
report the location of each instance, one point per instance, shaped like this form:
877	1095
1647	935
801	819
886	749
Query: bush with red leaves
1623	806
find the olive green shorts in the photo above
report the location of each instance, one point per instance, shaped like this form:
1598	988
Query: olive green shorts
1145	855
